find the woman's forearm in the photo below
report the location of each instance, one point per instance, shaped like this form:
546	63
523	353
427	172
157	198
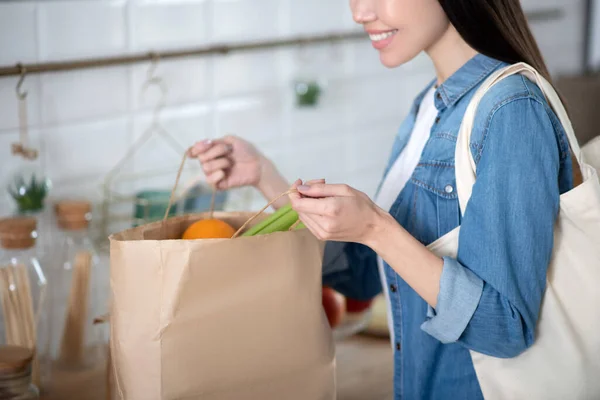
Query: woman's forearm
272	183
417	266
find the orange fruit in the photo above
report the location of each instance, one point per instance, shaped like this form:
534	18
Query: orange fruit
209	229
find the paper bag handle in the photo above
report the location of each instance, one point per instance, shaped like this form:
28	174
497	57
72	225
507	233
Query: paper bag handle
212	201
172	198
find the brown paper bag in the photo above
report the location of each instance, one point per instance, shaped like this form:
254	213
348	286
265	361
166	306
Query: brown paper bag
218	319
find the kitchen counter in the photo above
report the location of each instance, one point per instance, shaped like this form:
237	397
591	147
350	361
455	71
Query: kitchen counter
364	369
364	372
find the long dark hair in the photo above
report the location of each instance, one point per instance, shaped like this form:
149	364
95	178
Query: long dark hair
497	29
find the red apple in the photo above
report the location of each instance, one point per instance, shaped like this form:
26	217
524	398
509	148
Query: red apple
333	303
357	306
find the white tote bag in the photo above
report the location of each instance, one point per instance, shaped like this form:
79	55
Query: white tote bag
591	152
564	361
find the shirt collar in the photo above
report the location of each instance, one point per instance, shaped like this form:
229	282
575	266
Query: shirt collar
472	73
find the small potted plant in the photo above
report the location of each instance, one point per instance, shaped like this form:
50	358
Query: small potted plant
29	190
307	93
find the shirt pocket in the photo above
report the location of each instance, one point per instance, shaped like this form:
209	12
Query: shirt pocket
436	208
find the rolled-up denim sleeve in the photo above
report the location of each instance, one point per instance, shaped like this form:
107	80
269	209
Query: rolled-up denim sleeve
351	269
490	295
460	291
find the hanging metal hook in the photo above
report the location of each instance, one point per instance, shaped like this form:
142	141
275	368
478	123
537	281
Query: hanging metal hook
152	80
155	58
21	148
20	93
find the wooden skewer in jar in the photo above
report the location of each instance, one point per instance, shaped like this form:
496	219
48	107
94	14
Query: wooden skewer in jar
20	321
73	217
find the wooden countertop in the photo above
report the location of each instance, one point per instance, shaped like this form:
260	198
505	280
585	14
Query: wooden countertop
364	371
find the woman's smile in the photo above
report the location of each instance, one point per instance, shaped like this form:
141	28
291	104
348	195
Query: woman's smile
381	39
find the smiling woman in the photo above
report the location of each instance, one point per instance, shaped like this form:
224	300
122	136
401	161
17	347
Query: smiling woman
485	297
401	29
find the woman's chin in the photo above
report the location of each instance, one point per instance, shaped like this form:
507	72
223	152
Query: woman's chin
391	59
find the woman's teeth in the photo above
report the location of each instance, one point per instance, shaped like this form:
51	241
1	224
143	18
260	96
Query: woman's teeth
380	36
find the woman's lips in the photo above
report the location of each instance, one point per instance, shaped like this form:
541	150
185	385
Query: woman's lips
381	40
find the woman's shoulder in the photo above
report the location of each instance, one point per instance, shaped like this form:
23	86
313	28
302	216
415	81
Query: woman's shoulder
510	89
515	106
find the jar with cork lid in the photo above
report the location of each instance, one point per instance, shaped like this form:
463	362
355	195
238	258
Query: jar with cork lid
15	374
24	295
78	341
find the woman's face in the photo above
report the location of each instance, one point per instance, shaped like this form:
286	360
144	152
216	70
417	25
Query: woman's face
400	29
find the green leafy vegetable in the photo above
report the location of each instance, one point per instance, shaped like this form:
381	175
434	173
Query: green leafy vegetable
280	221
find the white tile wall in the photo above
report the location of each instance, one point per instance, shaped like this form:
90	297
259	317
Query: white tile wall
90	28
242	73
365	147
563	52
238	20
258	119
177	130
85	151
87	119
83	95
190	123
188	81
168	23
18	22
314	16
322	61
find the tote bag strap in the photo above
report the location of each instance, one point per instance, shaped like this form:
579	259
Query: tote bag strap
465	169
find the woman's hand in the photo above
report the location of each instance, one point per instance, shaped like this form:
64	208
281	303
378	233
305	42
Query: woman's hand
231	162
341	213
337	212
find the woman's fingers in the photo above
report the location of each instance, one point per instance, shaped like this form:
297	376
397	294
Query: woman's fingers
312	223
217	164
217	149
325	190
294	195
215	177
328	207
315	182
200	147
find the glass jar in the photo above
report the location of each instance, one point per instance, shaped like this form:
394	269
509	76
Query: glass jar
78	342
24	293
15	374
29	187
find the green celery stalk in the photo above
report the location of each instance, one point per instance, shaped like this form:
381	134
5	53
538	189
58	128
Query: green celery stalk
281	224
300	226
267	221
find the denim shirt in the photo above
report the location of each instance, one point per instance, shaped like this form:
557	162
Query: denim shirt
490	295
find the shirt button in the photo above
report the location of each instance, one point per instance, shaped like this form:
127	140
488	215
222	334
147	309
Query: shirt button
438	95
398	346
449	189
437	120
393	288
